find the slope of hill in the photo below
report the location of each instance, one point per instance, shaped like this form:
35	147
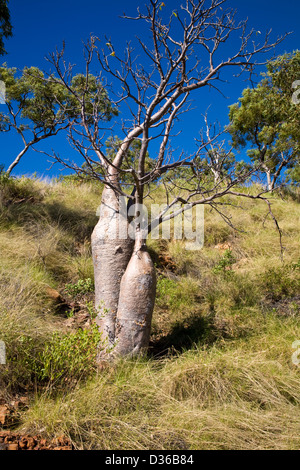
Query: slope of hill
219	374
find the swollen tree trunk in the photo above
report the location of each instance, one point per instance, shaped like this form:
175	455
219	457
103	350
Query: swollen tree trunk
111	254
125	282
136	303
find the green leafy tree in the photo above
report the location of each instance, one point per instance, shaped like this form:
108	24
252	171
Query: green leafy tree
39	106
267	119
293	175
5	24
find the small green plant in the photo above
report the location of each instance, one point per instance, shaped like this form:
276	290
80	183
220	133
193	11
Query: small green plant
83	286
91	309
225	264
175	295
165	286
280	282
70	313
69	357
296	266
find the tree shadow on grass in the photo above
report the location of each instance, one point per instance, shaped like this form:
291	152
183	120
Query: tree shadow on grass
195	330
77	223
80	224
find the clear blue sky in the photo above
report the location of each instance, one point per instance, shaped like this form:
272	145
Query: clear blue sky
41	26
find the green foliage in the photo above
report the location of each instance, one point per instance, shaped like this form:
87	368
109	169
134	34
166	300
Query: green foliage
91	309
267	119
69	357
293	175
81	287
39	106
176	295
5	24
90	90
4	177
281	282
47	103
225	264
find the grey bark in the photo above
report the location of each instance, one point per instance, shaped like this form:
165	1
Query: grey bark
111	255
16	160
269	180
136	303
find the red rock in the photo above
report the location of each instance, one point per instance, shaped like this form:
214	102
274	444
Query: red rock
54	295
9	438
4	412
24	400
11	441
23	443
12	447
31	443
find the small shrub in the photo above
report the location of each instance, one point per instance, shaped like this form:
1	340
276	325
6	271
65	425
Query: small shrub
91	309
296	266
225	264
69	357
279	283
82	287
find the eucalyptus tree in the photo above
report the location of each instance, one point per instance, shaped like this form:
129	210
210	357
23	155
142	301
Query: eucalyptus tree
181	51
5	24
267	119
37	108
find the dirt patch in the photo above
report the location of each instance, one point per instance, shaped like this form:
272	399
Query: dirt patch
289	307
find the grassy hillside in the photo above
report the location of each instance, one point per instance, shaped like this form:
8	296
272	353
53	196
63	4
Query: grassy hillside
219	374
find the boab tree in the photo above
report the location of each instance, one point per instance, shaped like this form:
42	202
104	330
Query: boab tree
181	54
